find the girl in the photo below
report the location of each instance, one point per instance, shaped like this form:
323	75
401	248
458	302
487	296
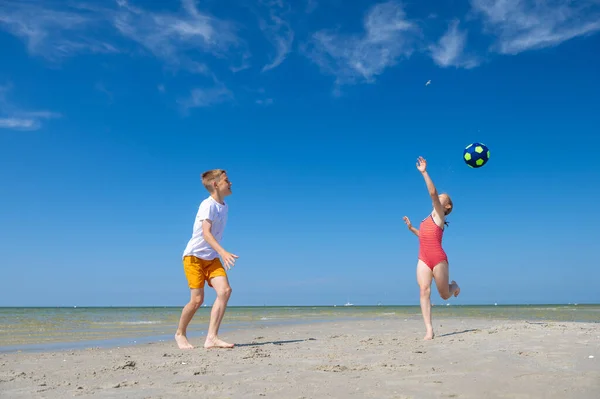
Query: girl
433	262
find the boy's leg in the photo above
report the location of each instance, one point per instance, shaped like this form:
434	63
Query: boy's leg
441	275
223	290
424	277
196	299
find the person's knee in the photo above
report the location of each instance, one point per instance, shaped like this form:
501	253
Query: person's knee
445	294
224	292
196	301
425	291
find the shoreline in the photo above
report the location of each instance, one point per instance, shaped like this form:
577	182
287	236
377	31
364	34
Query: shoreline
62	329
471	358
132	340
301	306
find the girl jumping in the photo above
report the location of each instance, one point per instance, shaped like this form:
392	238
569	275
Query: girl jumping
433	262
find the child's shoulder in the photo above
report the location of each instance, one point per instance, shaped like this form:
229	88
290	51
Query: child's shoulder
210	203
440	220
207	201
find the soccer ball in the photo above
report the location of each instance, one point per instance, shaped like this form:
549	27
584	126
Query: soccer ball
476	155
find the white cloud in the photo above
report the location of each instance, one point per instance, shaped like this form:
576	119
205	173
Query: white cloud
278	31
243	65
266	101
205	97
50	33
12	117
40	114
26	120
450	49
176	38
179	39
18	123
99	86
388	37
521	25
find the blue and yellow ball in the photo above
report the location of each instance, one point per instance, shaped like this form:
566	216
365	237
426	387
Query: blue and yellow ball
476	155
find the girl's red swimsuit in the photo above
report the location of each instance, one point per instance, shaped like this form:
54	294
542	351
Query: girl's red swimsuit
430	243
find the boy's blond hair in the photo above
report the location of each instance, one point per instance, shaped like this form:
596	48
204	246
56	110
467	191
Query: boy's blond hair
212	176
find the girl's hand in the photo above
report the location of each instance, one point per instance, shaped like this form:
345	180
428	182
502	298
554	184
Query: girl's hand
421	164
407	221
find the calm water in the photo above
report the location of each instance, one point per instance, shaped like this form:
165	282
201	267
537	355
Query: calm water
31	329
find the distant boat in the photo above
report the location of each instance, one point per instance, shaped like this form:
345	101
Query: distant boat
348	304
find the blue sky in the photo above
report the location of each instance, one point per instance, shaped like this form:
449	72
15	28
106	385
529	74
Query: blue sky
109	112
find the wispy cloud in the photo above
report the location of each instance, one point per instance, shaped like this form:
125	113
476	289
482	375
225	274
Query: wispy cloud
51	33
12	117
205	97
99	86
24	121
278	31
450	49
262	97
522	25
266	101
388	36
178	38
17	123
181	39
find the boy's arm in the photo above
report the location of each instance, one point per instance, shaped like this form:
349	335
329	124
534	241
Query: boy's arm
228	258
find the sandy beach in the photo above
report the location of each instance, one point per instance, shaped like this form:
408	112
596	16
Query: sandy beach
470	358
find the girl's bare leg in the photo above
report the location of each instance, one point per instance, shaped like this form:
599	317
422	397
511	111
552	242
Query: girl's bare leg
441	275
424	277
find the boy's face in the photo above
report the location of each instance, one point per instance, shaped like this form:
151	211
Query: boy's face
223	187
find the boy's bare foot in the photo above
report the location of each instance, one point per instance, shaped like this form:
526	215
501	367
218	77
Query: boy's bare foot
182	342
429	335
216	343
456	289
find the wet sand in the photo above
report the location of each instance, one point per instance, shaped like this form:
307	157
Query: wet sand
469	358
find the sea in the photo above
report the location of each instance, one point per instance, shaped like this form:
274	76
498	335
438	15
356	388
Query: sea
65	328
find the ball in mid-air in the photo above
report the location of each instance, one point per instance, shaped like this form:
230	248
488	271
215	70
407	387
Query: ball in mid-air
476	155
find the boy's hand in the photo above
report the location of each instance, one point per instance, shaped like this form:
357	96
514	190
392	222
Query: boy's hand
228	260
421	164
407	221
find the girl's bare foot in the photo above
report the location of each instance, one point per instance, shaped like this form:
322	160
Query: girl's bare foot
456	288
182	342
216	343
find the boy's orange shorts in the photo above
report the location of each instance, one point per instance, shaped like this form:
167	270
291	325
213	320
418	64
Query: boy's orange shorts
197	271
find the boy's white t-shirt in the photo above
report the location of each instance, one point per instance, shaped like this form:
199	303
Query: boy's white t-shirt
217	214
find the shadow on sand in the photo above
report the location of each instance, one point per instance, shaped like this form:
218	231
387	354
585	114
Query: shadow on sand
459	332
275	342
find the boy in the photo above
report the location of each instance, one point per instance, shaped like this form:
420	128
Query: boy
201	261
